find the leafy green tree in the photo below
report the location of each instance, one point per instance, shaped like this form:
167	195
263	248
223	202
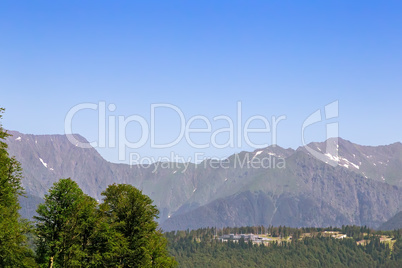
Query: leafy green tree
13	249
128	230
65	224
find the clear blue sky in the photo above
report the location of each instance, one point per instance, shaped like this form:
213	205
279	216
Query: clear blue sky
276	57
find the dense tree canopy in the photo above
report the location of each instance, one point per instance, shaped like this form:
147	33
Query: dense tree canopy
197	248
65	222
13	249
74	231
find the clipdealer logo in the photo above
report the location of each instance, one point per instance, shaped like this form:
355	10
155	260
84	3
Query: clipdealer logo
112	132
235	130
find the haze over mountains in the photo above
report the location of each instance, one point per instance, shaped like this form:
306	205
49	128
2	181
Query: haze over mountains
295	190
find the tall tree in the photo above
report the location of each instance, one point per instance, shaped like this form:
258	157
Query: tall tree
65	223
13	249
130	219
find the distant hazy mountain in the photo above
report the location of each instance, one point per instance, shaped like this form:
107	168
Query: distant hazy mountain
392	224
380	163
307	193
364	189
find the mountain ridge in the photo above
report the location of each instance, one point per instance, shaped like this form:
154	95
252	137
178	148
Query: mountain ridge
304	183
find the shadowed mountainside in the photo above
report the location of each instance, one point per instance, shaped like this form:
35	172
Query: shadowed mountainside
392	224
268	186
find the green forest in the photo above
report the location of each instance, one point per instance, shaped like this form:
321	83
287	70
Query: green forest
199	248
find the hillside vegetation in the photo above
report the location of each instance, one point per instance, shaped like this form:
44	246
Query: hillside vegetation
310	247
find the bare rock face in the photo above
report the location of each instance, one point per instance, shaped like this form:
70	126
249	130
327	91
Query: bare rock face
296	189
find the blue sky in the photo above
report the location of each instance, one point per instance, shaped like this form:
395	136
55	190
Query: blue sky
276	57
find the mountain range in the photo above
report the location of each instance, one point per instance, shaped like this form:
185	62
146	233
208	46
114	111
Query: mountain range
271	185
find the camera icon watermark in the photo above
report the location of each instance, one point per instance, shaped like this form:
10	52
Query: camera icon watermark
330	156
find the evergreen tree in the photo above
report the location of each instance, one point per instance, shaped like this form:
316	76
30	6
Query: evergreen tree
397	249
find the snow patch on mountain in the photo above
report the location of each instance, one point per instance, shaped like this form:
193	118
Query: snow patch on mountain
43	163
256	154
330	156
